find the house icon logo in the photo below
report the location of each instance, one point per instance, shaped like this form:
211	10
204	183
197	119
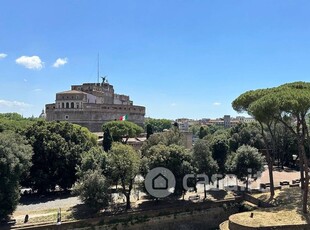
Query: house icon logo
160	182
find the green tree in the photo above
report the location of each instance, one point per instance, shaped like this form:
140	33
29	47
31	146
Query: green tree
203	160
15	122
15	161
149	130
121	131
124	163
246	134
213	128
287	104
107	140
290	104
246	163
93	189
94	159
173	157
220	149
170	137
250	102
202	132
93	184
57	150
159	125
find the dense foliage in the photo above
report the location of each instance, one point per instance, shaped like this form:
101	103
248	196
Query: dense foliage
57	150
15	122
173	157
158	125
122	130
287	104
246	163
15	161
107	140
124	163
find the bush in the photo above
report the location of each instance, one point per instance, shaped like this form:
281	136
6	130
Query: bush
92	188
15	157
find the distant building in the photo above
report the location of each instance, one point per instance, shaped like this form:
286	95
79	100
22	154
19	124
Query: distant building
245	119
227	121
43	114
92	104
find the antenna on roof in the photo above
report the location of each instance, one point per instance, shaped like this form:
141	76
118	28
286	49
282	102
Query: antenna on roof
98	69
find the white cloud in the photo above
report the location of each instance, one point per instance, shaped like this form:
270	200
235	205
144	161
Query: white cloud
14	104
33	62
60	62
173	104
216	103
2	55
37	90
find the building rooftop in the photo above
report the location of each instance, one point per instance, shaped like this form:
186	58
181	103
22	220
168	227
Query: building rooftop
71	92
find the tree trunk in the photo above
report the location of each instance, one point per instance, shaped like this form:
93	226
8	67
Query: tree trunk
127	194
270	169
306	168
270	172
247	183
269	158
306	182
302	175
128	201
205	190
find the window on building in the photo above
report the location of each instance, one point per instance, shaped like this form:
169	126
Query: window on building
67	105
72	105
63	105
67	117
77	105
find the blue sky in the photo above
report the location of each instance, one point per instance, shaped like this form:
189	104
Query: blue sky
179	58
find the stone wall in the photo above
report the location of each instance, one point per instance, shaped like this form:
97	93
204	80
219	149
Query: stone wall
187	216
92	116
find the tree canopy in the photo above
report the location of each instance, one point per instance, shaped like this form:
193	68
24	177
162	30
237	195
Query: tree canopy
15	161
158	125
57	147
173	157
246	162
15	122
289	105
124	163
120	130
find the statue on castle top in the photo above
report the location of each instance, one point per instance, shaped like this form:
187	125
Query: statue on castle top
104	79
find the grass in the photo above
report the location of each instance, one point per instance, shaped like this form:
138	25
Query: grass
43	216
287	210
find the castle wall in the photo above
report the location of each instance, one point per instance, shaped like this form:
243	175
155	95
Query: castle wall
92	116
92	104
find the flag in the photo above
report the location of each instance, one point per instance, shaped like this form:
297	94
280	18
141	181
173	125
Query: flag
124	118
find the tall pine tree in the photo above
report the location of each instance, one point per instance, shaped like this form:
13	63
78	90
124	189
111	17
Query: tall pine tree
107	140
149	130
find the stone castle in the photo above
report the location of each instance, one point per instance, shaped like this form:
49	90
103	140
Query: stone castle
92	104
